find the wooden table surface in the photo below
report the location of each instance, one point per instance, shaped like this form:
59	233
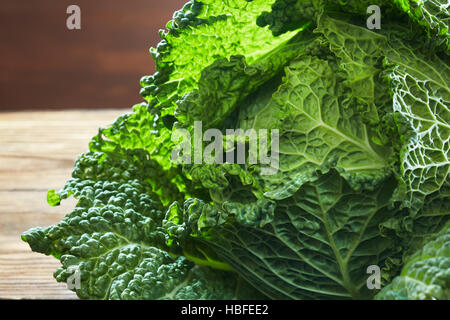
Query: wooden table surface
37	153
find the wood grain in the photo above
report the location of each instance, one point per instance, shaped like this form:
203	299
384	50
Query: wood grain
37	153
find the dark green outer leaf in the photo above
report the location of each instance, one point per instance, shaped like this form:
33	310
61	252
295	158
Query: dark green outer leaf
318	244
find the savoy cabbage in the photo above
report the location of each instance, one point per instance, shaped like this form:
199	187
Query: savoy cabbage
363	163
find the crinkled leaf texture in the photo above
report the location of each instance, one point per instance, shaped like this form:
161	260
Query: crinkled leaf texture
200	33
327	215
421	100
115	237
426	275
114	241
362	178
434	15
315	245
331	134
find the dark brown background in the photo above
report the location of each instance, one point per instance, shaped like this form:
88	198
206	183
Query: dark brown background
46	66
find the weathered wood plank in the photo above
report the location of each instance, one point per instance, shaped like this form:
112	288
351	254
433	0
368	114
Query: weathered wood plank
26	275
37	153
